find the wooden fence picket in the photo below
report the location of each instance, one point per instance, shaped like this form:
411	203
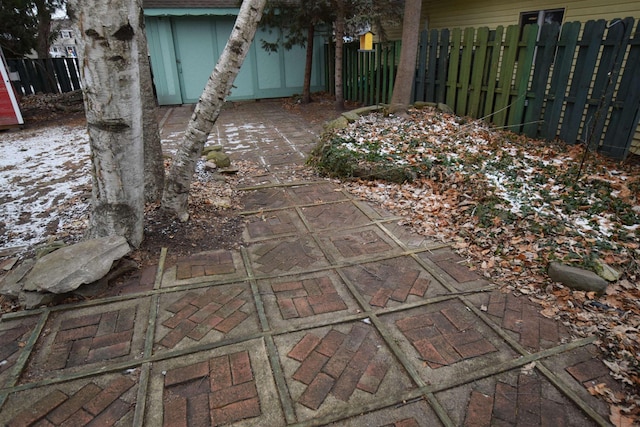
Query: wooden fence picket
559	79
626	111
464	76
588	49
544	55
503	88
478	71
454	67
613	51
492	73
526	52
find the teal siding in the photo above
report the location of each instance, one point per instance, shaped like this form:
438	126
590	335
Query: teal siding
184	50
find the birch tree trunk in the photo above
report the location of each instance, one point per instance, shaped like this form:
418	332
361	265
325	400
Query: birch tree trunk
153	157
207	110
109	51
403	86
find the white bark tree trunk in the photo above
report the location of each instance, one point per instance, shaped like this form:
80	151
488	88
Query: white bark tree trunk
110	65
402	88
207	110
153	157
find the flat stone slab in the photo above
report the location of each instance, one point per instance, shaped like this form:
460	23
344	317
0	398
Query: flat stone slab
65	269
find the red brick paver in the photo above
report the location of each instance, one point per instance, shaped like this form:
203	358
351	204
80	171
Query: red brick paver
214	392
90	404
197	314
444	337
205	264
391	280
309	297
339	364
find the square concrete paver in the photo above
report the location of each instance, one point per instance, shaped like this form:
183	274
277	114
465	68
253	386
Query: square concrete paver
358	244
223	386
392	282
334	216
286	255
514	398
98	400
87	338
310	299
202	316
211	266
333	369
14	335
444	341
272	224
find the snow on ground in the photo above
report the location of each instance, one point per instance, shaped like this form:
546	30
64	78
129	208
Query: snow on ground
44	183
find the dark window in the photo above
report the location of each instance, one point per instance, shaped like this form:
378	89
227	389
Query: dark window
540	17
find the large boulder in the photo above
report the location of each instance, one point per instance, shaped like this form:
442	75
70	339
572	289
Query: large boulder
65	269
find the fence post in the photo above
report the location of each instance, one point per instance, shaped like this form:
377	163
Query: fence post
465	71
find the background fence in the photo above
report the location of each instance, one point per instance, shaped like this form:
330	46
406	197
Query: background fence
578	84
51	75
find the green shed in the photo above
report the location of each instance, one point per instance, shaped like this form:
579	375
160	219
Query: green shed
186	38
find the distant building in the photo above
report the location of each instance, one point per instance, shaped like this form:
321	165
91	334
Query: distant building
64	45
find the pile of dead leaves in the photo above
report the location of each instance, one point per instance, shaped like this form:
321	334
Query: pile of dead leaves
511	205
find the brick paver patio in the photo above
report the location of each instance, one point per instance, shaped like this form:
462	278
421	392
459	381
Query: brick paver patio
329	312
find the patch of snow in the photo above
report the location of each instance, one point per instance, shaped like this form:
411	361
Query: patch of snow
43	174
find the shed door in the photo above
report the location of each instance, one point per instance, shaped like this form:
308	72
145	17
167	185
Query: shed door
199	41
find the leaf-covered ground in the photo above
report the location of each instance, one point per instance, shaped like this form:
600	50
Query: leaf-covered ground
510	205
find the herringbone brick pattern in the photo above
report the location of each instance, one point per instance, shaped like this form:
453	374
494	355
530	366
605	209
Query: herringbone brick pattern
334	216
92	338
207	264
444	337
517	398
338	364
218	391
393	280
286	256
195	314
90	405
309	297
359	243
12	340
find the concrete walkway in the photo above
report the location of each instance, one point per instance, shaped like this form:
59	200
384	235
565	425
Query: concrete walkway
329	313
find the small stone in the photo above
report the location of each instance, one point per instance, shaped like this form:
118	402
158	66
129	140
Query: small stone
577	278
209	148
31	300
210	166
605	271
219	158
8	264
10	286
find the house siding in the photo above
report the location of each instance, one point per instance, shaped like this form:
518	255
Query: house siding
470	13
438	14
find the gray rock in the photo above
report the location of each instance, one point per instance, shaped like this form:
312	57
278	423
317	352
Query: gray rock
31	300
209	148
605	271
577	278
66	269
10	285
219	158
210	166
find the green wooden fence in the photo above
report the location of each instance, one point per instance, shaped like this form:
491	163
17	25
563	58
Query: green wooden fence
50	75
581	84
